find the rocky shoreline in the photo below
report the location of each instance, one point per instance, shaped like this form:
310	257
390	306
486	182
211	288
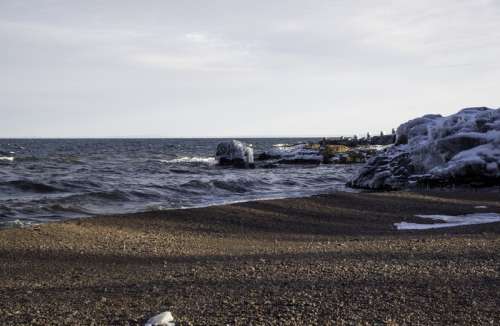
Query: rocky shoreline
332	259
463	148
459	149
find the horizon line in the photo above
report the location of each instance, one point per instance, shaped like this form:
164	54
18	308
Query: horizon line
178	137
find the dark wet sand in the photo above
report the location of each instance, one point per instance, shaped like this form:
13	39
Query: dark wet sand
332	259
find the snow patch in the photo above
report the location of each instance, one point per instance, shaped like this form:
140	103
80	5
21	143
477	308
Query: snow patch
450	221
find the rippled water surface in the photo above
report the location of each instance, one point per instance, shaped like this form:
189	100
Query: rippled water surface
44	180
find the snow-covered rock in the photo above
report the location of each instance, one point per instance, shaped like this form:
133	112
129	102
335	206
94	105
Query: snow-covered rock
460	148
235	153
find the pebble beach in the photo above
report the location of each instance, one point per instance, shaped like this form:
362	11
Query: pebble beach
324	260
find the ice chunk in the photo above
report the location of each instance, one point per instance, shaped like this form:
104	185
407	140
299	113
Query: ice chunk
163	319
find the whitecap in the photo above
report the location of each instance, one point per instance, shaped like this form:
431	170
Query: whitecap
7	158
189	159
16	224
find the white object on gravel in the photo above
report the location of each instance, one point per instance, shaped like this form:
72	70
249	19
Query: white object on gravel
450	221
163	319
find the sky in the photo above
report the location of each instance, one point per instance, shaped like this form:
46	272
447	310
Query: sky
119	68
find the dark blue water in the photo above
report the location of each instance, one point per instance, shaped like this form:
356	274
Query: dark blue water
46	180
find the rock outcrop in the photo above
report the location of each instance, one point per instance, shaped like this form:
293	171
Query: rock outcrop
463	148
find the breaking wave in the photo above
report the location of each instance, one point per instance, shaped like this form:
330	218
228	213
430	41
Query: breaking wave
187	159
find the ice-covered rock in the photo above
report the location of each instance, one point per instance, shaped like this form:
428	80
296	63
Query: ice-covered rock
235	153
317	153
298	153
460	148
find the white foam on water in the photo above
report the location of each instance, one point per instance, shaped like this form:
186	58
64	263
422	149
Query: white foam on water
450	221
6	158
480	207
17	224
189	159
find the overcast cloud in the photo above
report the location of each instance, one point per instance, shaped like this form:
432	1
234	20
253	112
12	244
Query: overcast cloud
241	68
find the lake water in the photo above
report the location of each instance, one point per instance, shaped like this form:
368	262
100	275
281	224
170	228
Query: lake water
45	180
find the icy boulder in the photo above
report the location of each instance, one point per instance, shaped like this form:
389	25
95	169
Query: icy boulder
235	153
457	149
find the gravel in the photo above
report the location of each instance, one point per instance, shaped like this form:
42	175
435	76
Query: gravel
324	260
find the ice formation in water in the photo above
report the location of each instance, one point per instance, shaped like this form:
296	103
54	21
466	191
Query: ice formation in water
234	153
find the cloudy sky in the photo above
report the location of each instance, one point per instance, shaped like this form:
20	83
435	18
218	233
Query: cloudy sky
241	68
